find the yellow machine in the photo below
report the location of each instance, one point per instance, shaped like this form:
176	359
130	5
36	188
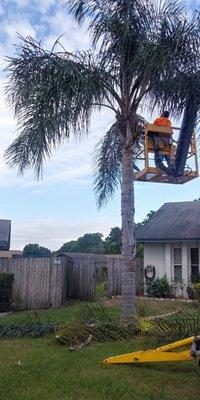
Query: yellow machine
150	173
161	354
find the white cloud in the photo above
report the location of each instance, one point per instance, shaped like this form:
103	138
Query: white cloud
74	37
1	9
53	233
40	3
22	3
24	28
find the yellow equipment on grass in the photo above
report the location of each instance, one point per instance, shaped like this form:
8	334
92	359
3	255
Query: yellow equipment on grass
161	354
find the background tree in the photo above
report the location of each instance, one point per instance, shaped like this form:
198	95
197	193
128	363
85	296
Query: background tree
34	250
144	54
71	247
89	243
113	243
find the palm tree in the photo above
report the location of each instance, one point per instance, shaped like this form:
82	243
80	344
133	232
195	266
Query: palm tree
141	54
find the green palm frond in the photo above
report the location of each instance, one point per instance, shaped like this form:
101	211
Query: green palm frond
178	326
53	94
174	56
119	25
107	165
107	160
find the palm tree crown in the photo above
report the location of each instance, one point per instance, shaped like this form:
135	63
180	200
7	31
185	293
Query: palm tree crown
143	53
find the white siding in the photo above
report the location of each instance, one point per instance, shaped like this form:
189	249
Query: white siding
154	254
161	256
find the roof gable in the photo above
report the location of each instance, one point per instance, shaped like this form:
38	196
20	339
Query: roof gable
179	221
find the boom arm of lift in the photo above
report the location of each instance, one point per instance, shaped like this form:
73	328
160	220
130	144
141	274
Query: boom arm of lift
187	129
161	354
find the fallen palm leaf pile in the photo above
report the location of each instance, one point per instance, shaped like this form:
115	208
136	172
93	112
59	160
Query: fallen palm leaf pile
177	327
95	323
28	328
76	333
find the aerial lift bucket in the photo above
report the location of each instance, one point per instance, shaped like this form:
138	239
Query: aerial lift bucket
154	174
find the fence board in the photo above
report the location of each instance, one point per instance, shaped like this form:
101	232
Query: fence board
38	282
115	276
81	275
81	282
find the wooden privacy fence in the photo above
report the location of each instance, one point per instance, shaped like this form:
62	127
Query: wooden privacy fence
82	270
114	284
47	282
81	282
82	275
38	282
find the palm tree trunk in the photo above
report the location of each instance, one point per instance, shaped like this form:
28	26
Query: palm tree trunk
128	240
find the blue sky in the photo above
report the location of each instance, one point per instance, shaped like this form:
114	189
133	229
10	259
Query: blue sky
62	206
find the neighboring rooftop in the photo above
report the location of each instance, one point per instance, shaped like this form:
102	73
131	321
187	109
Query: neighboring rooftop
173	222
11	254
5	229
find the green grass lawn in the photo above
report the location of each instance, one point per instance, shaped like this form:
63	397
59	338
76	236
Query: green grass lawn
68	313
51	372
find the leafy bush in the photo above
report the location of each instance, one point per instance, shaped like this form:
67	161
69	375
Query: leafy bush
6	281
197	291
159	288
191	292
195	278
194	291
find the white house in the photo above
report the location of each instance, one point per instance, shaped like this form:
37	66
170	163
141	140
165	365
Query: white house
171	239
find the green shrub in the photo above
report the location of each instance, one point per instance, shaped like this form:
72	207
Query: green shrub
6	281
195	278
197	291
159	288
191	292
194	291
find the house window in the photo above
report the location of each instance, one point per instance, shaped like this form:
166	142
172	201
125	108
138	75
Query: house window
177	264
194	257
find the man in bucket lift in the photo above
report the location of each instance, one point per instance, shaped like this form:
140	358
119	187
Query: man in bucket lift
163	120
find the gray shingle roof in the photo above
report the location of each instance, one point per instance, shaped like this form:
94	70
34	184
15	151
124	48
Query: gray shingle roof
173	222
5	229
